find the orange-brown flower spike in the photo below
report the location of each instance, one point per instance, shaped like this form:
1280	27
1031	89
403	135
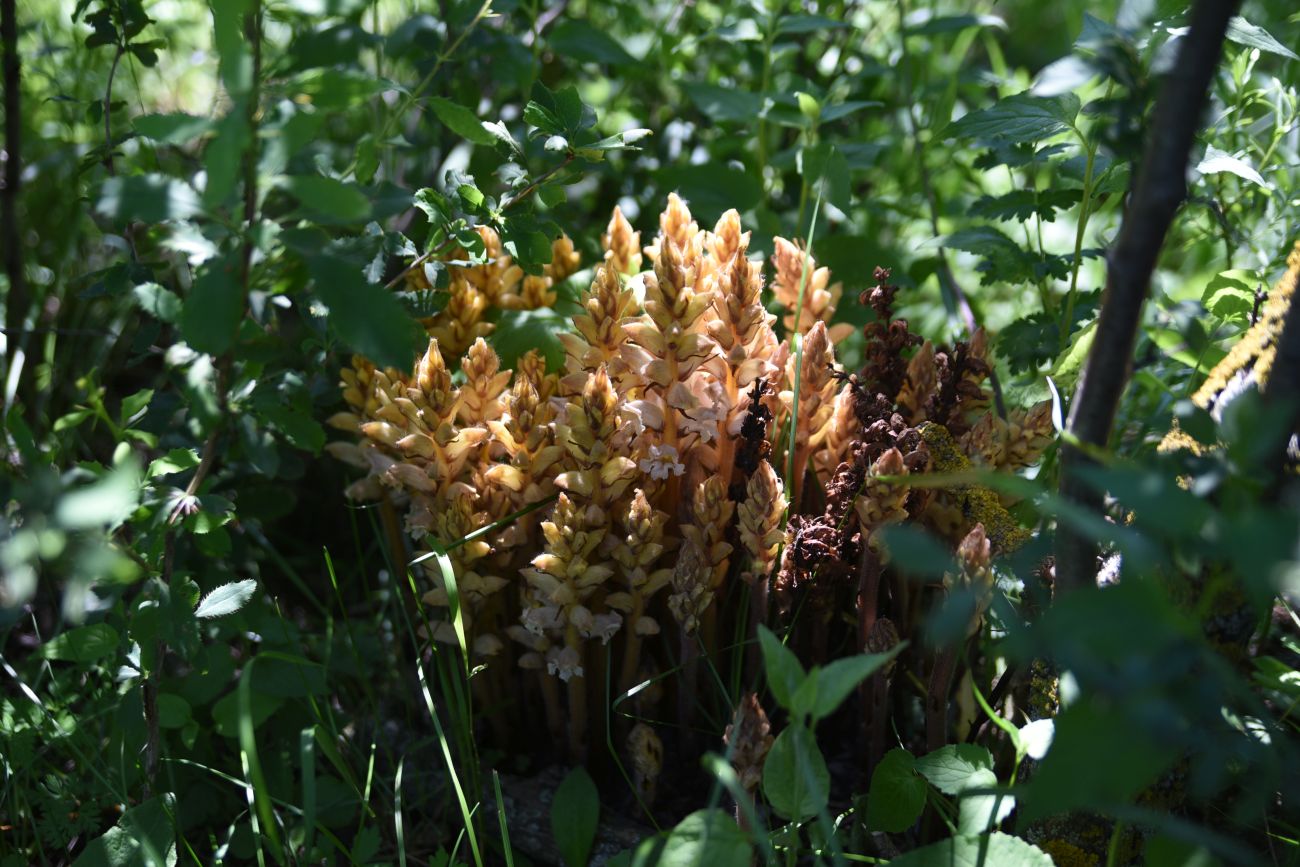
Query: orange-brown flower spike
565	260
816	400
461	322
621	244
485	382
676	223
919	385
600	335
760	522
795	269
882	501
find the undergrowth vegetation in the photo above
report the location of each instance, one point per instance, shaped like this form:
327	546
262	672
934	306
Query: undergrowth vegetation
520	432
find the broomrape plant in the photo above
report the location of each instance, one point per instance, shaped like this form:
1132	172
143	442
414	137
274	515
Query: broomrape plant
654	454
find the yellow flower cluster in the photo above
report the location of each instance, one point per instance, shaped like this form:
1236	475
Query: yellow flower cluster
643	465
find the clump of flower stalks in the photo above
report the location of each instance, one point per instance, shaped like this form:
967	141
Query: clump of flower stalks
701	465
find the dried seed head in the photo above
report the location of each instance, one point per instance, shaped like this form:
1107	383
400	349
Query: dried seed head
691	595
647	754
918	385
882	638
749	736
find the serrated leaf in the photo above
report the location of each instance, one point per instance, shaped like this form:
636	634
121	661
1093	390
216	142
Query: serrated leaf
1216	161
226	599
1002	850
175	461
144	836
368	318
1019	118
331	200
1023	204
462	121
896	797
950	767
211	313
82	644
157	301
1243	32
176	128
149	198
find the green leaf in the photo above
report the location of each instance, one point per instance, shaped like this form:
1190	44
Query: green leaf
578	40
575	813
991	850
1098	760
978	813
713	188
334	200
949	767
781	666
1019	118
106	503
1217	162
213	308
226	599
1243	32
704	837
134	404
224	154
173	711
149	198
521	330
725	103
795	779
897	794
916	551
83	644
175	461
157	302
826	165
1231	295
936	24
145	836
792	24
841	677
177	128
462	121
370	319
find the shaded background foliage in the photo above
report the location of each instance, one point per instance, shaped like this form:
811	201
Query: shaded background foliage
162	322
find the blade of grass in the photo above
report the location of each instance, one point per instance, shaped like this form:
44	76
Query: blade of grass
501	819
307	757
259	797
797	339
398	831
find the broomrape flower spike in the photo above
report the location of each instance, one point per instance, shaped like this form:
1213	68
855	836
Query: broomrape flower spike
559	494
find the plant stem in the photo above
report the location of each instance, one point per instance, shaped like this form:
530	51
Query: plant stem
17	302
1160	189
1067	321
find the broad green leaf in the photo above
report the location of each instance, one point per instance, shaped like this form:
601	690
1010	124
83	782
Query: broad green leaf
173	711
575	813
1243	32
824	165
713	188
579	40
462	121
82	644
177	128
157	301
145	836
1036	737
705	837
334	200
149	198
725	103
896	797
991	850
105	503
1070	365
948	768
224	155
1098	759
935	24
226	599
174	461
796	781
213	308
841	677
370	319
916	551
784	673
1019	118
1217	161
133	404
235	61
794	24
979	813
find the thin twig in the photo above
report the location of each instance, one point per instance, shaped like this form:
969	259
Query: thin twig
1159	191
17	302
